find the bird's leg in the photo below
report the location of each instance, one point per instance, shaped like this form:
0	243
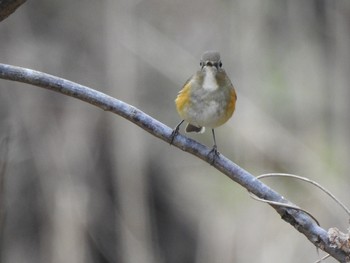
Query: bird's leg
214	151
175	132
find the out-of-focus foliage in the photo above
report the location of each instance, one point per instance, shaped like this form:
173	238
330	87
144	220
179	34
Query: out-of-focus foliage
83	185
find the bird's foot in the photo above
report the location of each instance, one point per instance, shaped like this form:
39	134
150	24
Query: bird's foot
173	134
213	154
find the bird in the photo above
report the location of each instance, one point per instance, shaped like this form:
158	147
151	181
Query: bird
207	99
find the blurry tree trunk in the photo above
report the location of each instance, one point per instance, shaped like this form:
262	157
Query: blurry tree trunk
3	163
130	162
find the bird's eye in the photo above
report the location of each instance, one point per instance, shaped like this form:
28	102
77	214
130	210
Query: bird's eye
220	64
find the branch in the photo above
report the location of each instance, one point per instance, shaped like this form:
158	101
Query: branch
300	220
7	7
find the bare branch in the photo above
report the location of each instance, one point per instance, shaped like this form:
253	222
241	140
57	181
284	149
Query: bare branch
300	220
7	7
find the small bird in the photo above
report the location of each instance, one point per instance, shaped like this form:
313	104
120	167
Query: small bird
207	99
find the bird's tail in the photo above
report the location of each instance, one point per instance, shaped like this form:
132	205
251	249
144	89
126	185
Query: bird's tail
193	128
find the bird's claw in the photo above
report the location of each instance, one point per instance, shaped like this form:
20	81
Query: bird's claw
173	134
213	154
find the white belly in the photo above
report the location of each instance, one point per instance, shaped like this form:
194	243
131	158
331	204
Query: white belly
209	115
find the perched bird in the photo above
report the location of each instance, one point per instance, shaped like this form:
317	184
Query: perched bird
207	99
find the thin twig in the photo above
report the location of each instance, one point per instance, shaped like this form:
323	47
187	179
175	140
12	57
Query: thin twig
284	205
301	221
340	203
322	259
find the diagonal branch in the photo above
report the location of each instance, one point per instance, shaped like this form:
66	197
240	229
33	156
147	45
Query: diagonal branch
301	221
7	7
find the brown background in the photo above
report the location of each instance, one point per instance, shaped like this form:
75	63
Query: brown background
83	185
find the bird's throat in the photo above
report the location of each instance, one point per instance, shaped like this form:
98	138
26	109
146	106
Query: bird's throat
209	82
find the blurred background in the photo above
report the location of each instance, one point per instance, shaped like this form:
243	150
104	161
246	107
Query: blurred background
82	185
